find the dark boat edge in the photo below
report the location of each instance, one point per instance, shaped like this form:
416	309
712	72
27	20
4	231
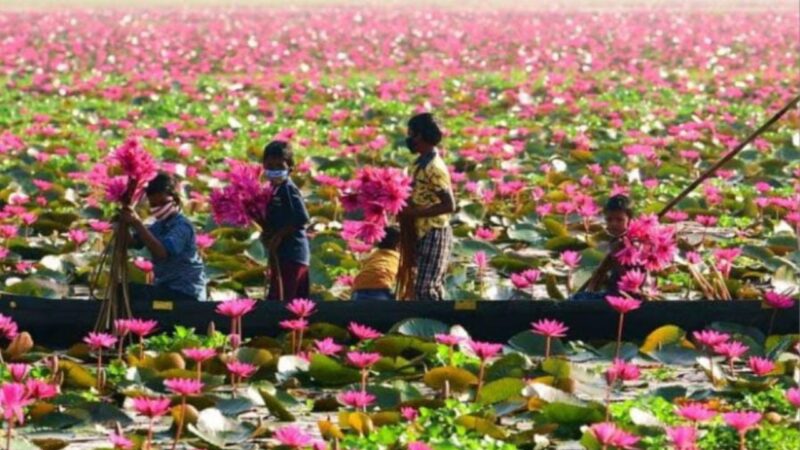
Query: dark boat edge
62	322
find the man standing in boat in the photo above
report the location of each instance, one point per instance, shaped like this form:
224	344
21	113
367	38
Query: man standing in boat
427	238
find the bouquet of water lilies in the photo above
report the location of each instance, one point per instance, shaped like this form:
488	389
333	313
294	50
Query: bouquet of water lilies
245	199
122	178
378	193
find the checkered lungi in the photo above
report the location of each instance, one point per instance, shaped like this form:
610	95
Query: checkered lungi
433	256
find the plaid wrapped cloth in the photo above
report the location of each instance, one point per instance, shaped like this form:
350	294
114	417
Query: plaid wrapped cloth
433	256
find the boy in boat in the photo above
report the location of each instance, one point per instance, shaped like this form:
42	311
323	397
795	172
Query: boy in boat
428	212
285	239
618	214
170	239
378	274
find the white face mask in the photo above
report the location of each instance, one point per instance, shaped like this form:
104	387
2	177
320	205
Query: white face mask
277	175
164	211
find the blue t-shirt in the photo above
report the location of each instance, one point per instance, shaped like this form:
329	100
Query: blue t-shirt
287	208
182	270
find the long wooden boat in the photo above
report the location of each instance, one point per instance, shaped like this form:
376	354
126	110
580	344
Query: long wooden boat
59	323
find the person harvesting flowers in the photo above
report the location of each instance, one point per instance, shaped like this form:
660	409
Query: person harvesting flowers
170	239
285	233
425	223
618	213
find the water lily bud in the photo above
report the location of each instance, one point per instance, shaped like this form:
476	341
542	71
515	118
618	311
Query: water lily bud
211	328
773	417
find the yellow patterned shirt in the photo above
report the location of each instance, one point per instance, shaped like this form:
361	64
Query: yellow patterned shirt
430	176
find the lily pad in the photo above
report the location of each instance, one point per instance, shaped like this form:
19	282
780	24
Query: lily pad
330	372
419	327
501	390
458	379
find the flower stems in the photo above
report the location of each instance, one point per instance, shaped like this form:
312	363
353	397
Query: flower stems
619	334
181	422
481	373
364	375
148	442
99	370
547	348
8	433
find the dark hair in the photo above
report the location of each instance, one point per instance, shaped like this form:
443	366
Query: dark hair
619	202
280	149
391	239
163	183
425	125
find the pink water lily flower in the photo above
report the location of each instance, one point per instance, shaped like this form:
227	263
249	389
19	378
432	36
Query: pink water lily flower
447	339
623	305
778	301
8	327
683	438
632	281
141	327
327	346
793	396
241	369
199	354
183	386
696	412
294	325
416	445
710	338
481	261
99	341
301	307
571	259
409	413
621	371
363	332
363	360
151	407
731	350
485	350
356	399
485	234
18	371
41	390
120	442
293	437
760	366
13	400
236	308
609	435
78	236
550	328
204	241
742	422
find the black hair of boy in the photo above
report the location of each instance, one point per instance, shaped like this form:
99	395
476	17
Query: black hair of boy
426	127
619	202
163	183
391	240
279	149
